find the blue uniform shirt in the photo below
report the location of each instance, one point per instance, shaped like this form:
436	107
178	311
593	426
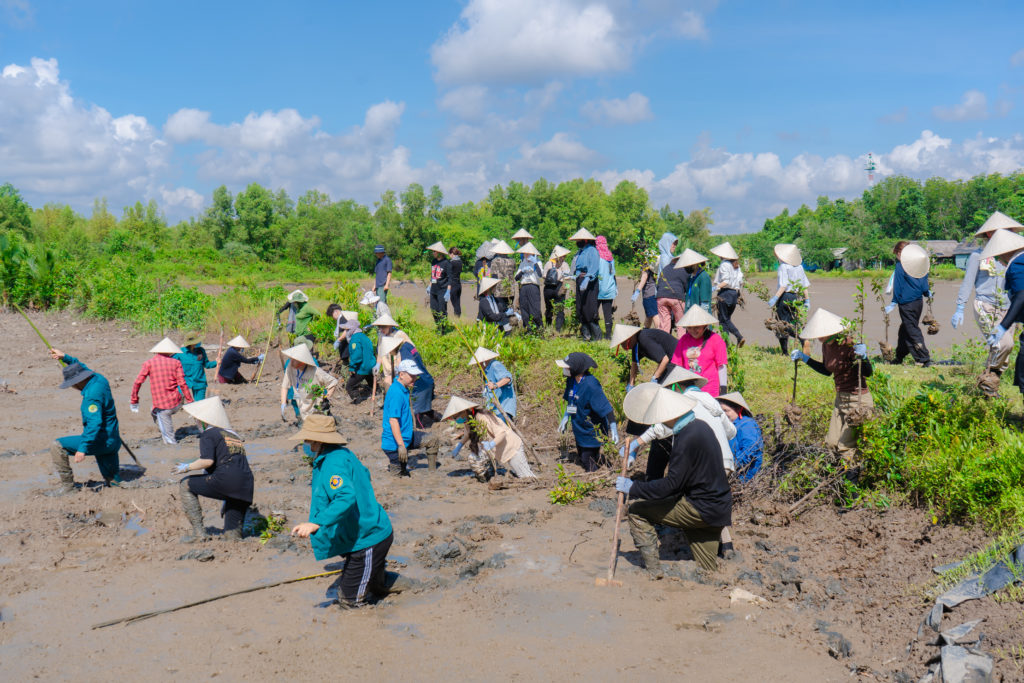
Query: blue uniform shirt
396	404
360	354
100	434
592	409
906	289
747	447
195	363
506	395
1014	281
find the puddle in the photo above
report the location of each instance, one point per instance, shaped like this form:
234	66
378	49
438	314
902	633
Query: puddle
133	524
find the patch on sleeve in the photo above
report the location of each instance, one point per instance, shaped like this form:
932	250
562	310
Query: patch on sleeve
336	481
93	408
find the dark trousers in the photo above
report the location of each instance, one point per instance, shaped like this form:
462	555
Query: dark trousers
352	387
364	572
457	300
727	299
590	458
504	303
785	309
1018	370
910	339
529	306
586	303
554	306
237	379
438	306
233	510
606	308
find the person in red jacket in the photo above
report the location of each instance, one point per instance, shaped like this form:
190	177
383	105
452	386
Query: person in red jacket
166	378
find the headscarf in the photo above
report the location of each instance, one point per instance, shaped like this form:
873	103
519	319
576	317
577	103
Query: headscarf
665	254
579	363
602	248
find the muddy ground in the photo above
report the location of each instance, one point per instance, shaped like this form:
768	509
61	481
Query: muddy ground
509	578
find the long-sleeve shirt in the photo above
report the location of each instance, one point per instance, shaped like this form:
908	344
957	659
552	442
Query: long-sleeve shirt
231	361
840	363
504	395
587	261
699	291
166	378
703	356
673	282
985	277
607	287
727	277
296	381
792	276
361	358
589	410
100	432
194	364
906	289
503	268
1015	289
747	447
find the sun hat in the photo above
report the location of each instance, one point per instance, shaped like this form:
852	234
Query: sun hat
350	324
501	249
457	405
409	366
576	362
488	283
689	258
651	403
192	338
822	324
437	247
209	410
300	353
736	399
559	252
239	342
319	428
914	260
385	321
582	235
75	373
788	254
370	298
350	315
482	355
695	317
622	334
522	234
998	221
379	249
1002	242
298	296
389	344
528	248
679	374
165	345
725	251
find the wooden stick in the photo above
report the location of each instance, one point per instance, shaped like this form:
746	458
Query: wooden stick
36	330
270	334
610	579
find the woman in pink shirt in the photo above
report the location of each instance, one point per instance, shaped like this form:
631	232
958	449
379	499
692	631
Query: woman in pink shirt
702	350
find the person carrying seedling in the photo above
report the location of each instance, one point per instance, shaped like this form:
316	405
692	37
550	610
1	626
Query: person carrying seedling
345	518
529	276
166	387
698	290
702	350
585	269
792	292
311	387
397	436
227	478
909	288
650	343
100	437
361	361
485	433
300	315
587	409
490	308
748	444
232	360
1008	247
194	363
727	282
499	390
503	268
847	363
386	327
440	285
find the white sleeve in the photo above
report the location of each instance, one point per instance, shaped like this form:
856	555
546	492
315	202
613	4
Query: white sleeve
892	279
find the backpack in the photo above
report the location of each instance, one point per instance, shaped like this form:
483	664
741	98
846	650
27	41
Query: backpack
553	278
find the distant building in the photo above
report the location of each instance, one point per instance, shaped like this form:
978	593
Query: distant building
941	251
963	251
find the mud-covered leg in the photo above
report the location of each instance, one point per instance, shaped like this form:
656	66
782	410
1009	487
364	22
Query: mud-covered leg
194	512
59	456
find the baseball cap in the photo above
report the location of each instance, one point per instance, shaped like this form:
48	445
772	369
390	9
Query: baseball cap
408	365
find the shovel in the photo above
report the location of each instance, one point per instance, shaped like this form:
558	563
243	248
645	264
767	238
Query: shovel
610	580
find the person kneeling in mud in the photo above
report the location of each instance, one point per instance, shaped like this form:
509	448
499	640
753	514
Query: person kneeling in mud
487	436
228	477
694	494
345	518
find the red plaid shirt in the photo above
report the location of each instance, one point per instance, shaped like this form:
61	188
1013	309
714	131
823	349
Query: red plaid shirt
165	377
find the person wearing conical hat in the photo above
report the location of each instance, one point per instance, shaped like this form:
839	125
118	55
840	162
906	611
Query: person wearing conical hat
672	286
702	350
490	309
647	288
300	314
587	409
607	286
586	266
1008	247
499	389
396	349
484	432
166	387
842	360
382	272
698	291
385	367
455	266
503	269
440	285
792	291
529	275
726	285
227	478
195	363
909	288
301	377
556	272
522	237
100	437
748	444
361	362
233	359
644	343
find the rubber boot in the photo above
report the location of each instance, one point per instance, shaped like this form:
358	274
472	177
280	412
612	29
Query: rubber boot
396	583
595	331
645	538
585	331
431	446
61	464
232	534
194	512
652	562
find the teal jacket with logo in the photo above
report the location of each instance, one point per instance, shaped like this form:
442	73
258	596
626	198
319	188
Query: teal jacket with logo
361	358
100	434
195	365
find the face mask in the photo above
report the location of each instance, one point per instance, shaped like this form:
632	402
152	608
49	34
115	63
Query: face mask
565	372
460	420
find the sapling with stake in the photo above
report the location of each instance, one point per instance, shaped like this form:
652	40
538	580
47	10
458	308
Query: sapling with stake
793	411
855	332
878	287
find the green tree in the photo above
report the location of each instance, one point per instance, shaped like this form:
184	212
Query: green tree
15	214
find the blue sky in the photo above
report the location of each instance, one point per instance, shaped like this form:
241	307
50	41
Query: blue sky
745	108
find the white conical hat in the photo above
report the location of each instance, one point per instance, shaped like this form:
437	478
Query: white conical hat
298	296
689	258
559	251
438	247
488	283
623	333
350	315
695	317
165	345
914	260
370	298
1002	242
457	405
822	324
725	251
998	221
788	254
737	398
300	353
522	234
650	403
582	234
528	248
482	355
388	345
502	249
680	374
209	410
239	342
385	321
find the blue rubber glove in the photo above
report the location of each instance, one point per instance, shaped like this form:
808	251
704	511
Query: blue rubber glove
807	303
284	407
563	424
996	336
634	445
261	357
798	355
182	467
623	484
455	451
636	295
629	388
958	317
447	295
510	311
773	301
488	445
613	430
860	350
585	282
890	307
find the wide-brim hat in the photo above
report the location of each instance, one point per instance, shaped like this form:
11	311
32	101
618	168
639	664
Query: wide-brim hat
736	399
165	345
482	355
370	298
75	373
998	221
319	428
914	260
457	405
623	333
679	374
788	254
488	283
388	345
582	235
822	324
695	317
1002	242
239	342
298	296
528	248
651	403
438	248
385	321
725	251
192	338
301	353
209	410
501	249
522	234
559	252
689	257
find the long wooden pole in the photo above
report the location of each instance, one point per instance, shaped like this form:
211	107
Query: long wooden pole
36	330
270	334
610	579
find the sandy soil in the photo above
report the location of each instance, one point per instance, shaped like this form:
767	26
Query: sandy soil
515	599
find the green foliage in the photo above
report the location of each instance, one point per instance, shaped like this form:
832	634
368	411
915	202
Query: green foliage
268	527
568	489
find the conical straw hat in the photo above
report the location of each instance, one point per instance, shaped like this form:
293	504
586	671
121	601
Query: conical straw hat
319	428
695	317
522	234
350	315
559	251
239	342
297	296
488	283
385	321
737	399
438	247
725	251
1002	242
501	249
623	333
370	298
788	254
998	221
650	403
165	345
209	410
388	345
689	258
914	260
582	234
482	355
457	405
528	248
822	324
300	353
679	374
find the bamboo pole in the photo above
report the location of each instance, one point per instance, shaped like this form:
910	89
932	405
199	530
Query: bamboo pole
270	334
609	580
36	330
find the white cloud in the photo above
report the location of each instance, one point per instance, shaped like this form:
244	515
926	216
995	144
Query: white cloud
560	152
182	198
1017	58
973	106
467	102
633	109
691	25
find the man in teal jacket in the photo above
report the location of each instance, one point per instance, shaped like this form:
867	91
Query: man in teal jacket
195	362
100	437
344	516
361	361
